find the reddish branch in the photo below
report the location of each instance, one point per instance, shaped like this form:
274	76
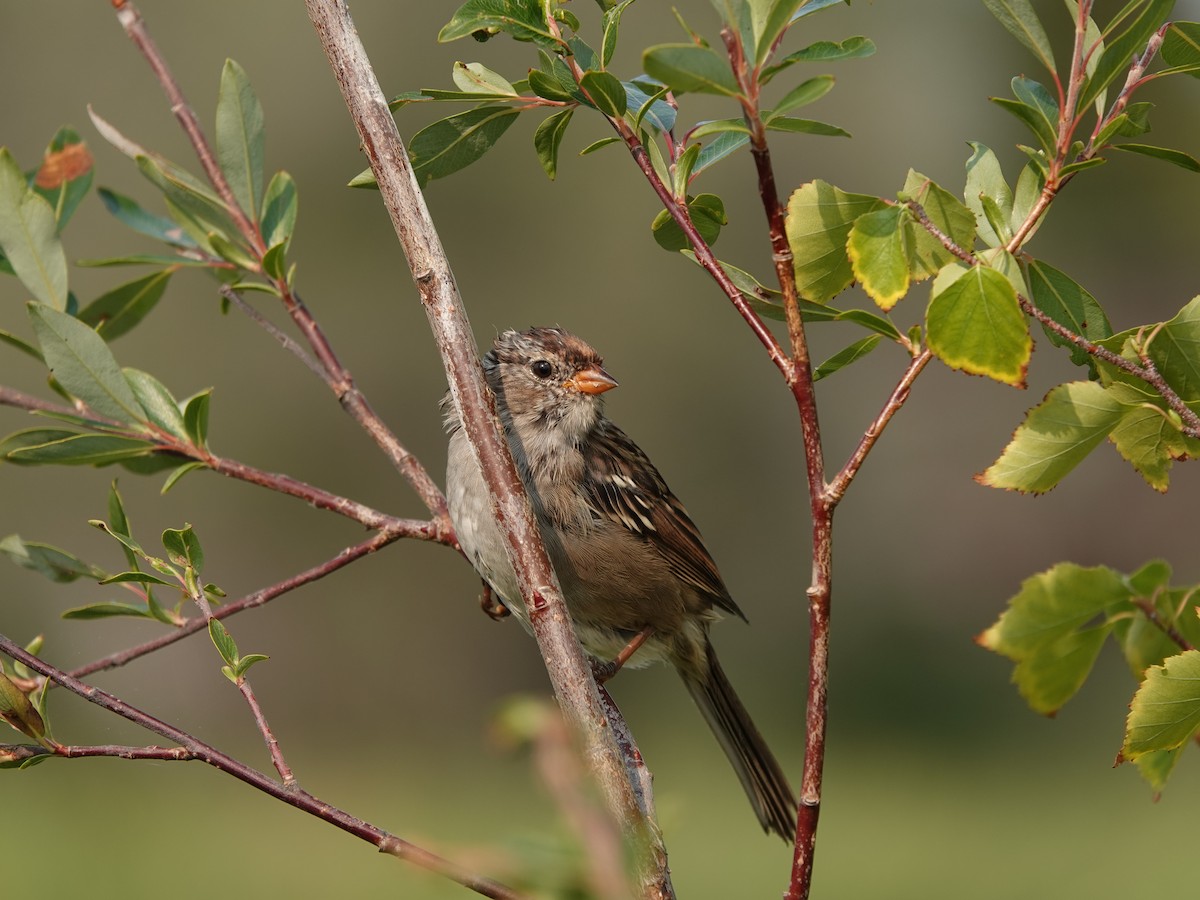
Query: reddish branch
198	750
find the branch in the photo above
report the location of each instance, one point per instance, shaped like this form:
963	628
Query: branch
258	598
302	800
333	372
565	662
1146	605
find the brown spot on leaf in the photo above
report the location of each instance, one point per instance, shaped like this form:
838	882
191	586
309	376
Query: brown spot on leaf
65	165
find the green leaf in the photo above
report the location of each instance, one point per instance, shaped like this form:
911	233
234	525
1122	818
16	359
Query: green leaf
878	255
82	363
717	126
805	126
176	475
197	210
688	68
244	664
1165	713
819	220
1068	304
17	711
107	611
803	94
1050	630
522	19
719	148
128	212
1033	116
195	417
65	175
183	547
707	212
822	51
116	312
683	170
596	145
50	562
223	641
15	342
1119	51
974	323
144	259
1146	436
548	137
280	207
29	236
846	356
479	79
161	408
1054	438
985	178
1175	351
240	137
135	578
1174	157
612	26
31	437
451	144
1030	184
769	27
926	253
1181	46
606	92
1022	22
82	450
647	98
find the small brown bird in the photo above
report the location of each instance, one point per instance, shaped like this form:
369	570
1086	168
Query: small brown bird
631	563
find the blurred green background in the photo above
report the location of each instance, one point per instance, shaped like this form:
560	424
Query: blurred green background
384	679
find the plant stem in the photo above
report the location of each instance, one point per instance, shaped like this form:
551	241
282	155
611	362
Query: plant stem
302	800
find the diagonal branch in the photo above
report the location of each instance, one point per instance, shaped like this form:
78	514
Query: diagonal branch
302	800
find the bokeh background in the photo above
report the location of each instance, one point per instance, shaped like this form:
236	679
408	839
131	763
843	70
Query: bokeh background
385	679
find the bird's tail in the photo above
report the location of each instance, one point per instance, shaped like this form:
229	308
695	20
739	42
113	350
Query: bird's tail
756	767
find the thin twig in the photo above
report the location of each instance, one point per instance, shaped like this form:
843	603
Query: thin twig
302	800
258	598
264	728
288	343
1146	605
15	752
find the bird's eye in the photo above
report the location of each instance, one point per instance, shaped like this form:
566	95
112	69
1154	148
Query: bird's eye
541	368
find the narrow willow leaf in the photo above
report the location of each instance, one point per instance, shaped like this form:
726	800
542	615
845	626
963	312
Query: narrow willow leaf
803	94
879	256
161	408
1053	630
819	220
82	450
683	170
1119	51
719	148
606	92
688	68
845	357
585	57
29	236
1030	184
82	363
478	78
50	562
647	98
240	137
195	416
183	547
548	137
144	259
1032	117
17	344
65	175
280	207
451	144
1022	22
984	177
522	19
805	126
107	611
135	578
769	28
1181	46
1165	713
549	88
1054	438
612	26
1174	157
223	641
116	312
128	212
975	324
717	126
596	145
174	478
822	51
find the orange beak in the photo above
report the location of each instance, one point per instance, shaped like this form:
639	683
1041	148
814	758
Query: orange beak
592	380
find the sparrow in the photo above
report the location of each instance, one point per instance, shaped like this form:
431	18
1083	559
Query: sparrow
638	581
